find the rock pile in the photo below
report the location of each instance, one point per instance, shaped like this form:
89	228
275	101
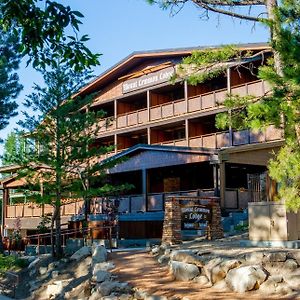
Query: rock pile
269	272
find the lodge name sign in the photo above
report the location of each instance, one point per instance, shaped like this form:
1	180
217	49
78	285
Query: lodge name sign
195	217
148	80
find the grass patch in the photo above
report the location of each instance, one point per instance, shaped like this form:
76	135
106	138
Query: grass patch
11	262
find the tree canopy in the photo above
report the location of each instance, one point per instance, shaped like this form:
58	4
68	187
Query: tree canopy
282	72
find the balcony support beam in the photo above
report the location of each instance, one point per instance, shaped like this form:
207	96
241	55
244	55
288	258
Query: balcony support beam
145	187
187	132
222	183
148	106
186	96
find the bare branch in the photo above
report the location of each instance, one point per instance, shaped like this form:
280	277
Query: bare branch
210	7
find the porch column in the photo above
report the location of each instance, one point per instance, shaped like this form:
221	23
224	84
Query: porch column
187	132
216	174
229	92
149	136
222	184
148	105
186	96
145	187
5	198
116	113
116	143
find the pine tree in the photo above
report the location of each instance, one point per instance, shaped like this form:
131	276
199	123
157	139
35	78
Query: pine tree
281	106
66	163
9	80
14	148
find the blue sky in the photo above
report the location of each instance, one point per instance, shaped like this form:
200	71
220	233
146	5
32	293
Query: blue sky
119	27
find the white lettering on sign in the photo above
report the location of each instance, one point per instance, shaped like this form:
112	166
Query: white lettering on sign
148	80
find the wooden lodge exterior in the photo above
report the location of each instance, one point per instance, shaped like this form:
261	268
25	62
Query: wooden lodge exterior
168	133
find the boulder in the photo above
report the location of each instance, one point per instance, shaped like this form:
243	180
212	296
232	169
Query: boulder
246	278
82	253
254	257
34	263
125	297
276	256
99	254
219	271
140	294
95	296
101	276
188	257
108	287
290	264
163	259
273	285
105	266
156	297
183	271
81	291
202	281
293	280
54	290
43	270
221	286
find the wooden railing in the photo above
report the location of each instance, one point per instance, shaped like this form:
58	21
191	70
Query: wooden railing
235	138
138	203
167	110
178	107
29	210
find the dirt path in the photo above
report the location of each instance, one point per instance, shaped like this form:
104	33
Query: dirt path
142	271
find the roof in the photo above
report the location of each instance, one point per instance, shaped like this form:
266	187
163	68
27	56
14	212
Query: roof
144	147
123	66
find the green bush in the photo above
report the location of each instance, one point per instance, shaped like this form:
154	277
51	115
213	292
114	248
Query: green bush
11	262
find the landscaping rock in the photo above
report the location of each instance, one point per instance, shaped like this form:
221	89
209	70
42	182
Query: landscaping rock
54	290
254	257
221	286
43	270
293	280
155	250
202	281
155	297
54	274
290	264
125	297
276	257
140	294
34	263
219	272
273	286
95	296
99	254
163	259
105	266
107	287
101	276
183	271
81	253
188	257
82	291
246	278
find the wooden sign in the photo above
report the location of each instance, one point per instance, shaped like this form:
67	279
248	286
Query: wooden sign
148	80
195	217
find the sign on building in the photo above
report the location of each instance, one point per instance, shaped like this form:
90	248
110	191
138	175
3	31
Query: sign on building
195	217
148	80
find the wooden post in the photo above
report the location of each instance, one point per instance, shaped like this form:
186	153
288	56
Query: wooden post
186	99
38	245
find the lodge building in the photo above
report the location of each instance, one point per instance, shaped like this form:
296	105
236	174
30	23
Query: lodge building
167	132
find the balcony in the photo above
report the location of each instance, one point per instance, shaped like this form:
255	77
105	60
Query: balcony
242	137
29	210
179	107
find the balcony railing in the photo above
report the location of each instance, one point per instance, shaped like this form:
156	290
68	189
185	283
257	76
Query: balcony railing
167	110
155	201
242	137
179	107
28	210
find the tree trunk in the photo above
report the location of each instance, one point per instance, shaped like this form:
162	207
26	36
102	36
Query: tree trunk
58	247
271	6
